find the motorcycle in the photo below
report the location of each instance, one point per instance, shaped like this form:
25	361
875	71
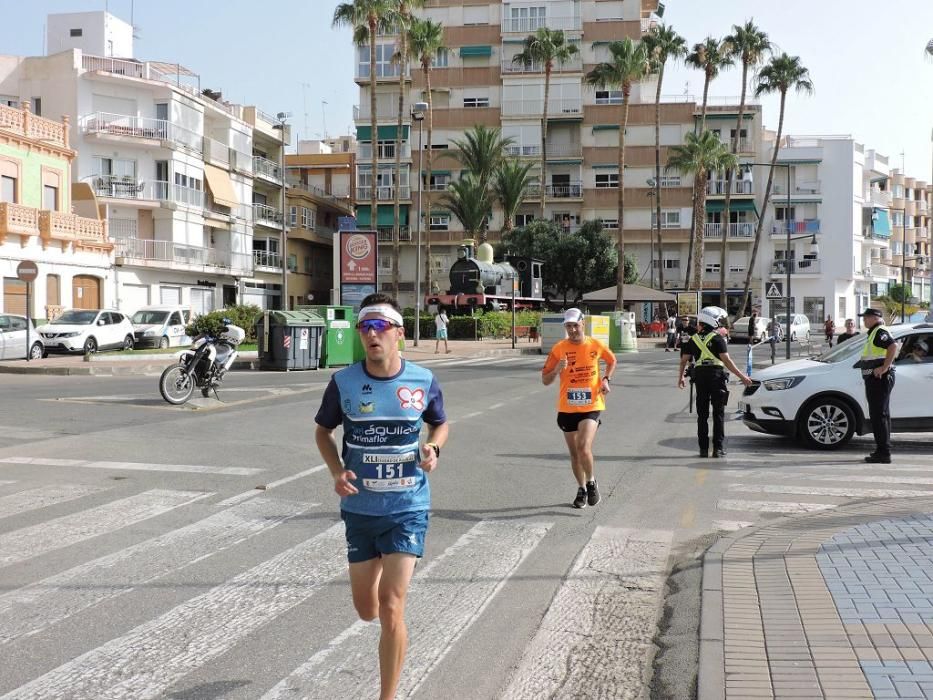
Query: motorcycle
202	366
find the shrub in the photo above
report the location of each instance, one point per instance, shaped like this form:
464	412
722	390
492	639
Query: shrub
243	315
426	329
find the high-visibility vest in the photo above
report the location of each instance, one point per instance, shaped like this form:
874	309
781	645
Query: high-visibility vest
707	358
872	351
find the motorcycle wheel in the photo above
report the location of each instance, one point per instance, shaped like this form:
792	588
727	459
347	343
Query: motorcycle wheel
175	385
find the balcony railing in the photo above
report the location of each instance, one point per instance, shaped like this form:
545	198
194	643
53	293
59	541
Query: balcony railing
570	190
265	258
141	127
70	228
556	108
870	232
797	188
216	153
383	194
561	150
18	220
161	71
24	123
123	228
115	187
797	267
780	228
743	230
386	152
880	198
269	216
385	234
529	25
574	65
719	187
266	168
182	254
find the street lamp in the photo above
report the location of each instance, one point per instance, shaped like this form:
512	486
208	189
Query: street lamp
282	116
418	112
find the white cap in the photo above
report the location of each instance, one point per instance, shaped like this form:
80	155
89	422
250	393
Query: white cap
573	316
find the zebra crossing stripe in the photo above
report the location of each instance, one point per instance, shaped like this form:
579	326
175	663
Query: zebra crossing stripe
29	542
444	600
892	479
772	506
43	496
609	601
29	610
131	466
731	525
828	491
240	497
152	657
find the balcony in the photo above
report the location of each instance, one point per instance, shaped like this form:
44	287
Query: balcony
880	198
385	234
26	124
383	194
565	190
128	188
719	187
798	189
361	112
797	267
69	229
557	150
216	153
265	215
267	169
126	126
386	152
574	65
780	228
529	25
739	231
570	106
171	73
180	256
267	259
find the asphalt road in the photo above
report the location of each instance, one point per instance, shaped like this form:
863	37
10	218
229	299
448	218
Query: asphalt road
139	559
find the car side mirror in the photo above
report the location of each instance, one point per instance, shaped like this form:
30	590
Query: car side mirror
101	322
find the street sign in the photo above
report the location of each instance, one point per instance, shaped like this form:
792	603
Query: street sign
27	271
775	290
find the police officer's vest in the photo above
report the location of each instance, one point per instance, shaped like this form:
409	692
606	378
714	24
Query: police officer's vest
872	351
707	358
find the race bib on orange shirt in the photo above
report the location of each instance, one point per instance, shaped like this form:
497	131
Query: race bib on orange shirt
579	381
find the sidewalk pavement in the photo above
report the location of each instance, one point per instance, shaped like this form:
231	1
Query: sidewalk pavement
835	604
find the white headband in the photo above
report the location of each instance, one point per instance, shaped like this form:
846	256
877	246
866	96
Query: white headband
383	310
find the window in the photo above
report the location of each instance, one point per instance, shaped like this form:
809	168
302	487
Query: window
736	267
669	218
308	264
476	14
442	58
292	262
610	223
307	218
712	268
385	263
784	213
293	217
440	146
606	180
385	68
438	182
670	181
469	102
440	223
7	189
527	19
608	97
75	32
50	198
37	106
524	219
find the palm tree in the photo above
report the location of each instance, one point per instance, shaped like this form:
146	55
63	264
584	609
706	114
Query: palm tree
481	151
545	47
781	74
469	199
425	39
629	64
510	183
366	17
700	155
709	56
663	43
749	44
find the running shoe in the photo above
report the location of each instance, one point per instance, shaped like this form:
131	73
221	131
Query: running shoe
592	493
580	500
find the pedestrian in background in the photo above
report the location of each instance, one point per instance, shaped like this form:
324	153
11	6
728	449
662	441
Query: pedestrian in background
829	329
877	366
849	332
752	327
440	330
671	333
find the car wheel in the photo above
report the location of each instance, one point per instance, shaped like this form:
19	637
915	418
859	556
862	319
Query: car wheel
826	423
163	343
128	343
36	352
90	345
793	337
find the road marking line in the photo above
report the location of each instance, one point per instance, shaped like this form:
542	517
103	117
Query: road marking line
29	610
157	654
893	479
731	525
496	405
239	498
772	506
829	491
28	542
132	466
446	597
44	496
609	600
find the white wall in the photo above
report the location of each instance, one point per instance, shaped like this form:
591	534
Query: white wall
102	34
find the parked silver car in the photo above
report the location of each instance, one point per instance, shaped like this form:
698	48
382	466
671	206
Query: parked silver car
13	338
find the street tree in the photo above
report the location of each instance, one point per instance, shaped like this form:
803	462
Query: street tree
510	185
470	200
709	56
481	151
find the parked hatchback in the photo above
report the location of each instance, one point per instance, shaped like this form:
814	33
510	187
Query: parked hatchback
799	326
13	338
740	329
87	331
821	401
161	326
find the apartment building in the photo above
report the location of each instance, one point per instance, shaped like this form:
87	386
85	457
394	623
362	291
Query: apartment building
848	214
46	219
190	184
475	81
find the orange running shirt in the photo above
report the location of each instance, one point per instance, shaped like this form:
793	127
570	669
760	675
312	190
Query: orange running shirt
579	382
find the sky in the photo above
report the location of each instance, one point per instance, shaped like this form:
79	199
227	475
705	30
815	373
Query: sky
866	59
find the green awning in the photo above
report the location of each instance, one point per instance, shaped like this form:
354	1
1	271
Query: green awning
605	127
601	43
880	178
564	161
386	133
781	161
880	223
475	51
734	205
726	115
605	166
440	172
386	216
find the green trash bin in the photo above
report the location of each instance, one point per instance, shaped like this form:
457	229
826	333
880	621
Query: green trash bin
341	344
289	340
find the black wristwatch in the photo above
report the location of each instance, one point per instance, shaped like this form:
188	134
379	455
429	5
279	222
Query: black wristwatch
437	450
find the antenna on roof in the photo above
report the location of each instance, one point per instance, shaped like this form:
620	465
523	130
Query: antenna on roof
304	99
324	117
133	20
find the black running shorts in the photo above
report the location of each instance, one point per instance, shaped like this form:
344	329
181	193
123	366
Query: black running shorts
569	422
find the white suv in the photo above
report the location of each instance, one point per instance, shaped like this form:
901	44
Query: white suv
821	400
87	331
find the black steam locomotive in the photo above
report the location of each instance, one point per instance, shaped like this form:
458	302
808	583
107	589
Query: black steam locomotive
478	282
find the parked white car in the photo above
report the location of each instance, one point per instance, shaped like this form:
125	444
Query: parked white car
13	338
821	401
87	331
740	329
161	326
799	326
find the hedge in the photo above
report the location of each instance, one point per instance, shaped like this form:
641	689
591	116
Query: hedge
244	316
492	324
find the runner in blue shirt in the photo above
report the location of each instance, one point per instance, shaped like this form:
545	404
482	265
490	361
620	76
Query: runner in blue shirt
381	473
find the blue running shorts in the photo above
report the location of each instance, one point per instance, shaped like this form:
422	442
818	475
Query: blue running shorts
371	536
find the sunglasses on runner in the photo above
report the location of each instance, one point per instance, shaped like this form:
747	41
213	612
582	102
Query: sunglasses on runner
375	324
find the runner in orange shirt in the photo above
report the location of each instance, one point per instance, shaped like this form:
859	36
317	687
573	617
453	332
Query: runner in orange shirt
580	401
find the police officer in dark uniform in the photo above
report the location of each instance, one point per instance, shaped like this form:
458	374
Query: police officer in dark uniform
710	353
877	366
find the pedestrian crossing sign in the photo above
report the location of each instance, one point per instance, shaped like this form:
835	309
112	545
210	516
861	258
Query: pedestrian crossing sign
775	290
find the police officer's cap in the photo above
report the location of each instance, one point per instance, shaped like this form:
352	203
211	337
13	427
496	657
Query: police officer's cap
872	312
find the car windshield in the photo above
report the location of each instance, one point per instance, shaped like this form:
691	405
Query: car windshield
76	318
149	317
843	351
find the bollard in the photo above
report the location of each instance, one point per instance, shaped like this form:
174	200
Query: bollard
748	359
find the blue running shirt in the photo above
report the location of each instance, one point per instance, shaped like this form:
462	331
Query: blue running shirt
382	420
